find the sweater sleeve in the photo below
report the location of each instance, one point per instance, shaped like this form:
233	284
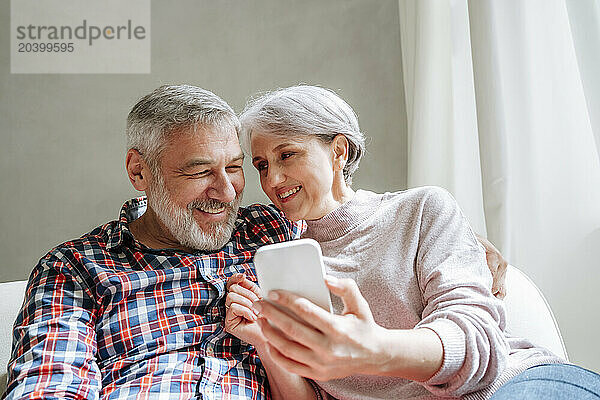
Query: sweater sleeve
459	307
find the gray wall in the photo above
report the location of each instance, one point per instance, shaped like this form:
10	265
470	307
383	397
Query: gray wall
62	151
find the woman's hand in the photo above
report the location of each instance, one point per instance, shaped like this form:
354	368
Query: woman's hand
497	265
240	319
328	346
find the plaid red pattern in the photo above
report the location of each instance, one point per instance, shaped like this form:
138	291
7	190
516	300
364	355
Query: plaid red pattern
106	317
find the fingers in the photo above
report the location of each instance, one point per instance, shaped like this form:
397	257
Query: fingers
497	265
241	280
235	298
348	291
492	262
289	348
499	284
240	299
242	291
288	364
500	294
311	314
235	278
300	331
253	287
237	310
499	276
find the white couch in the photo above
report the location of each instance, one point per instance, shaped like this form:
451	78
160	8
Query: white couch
528	315
11	295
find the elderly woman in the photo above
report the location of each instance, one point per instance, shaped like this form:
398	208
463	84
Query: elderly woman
414	313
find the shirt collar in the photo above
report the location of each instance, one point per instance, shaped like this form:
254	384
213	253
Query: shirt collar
131	210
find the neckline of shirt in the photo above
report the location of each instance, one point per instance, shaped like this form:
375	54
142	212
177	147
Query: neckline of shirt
344	218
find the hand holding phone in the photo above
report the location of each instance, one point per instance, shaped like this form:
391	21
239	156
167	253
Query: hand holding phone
296	266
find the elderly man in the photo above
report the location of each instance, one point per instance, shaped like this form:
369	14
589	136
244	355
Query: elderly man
135	308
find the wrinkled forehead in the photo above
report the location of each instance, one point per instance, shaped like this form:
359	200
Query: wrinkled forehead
203	142
222	132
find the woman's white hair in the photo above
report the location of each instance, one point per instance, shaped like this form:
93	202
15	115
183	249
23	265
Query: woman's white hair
305	110
171	109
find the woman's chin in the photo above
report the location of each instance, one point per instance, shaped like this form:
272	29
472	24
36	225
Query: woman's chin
291	213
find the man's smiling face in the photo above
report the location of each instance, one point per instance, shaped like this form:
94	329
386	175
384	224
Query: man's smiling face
196	193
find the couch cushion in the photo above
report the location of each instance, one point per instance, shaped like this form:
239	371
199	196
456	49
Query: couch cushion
11	300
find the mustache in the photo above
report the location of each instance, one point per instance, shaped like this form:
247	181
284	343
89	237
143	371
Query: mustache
211	203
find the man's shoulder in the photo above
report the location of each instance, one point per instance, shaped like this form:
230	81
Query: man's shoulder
266	224
101	239
94	241
258	213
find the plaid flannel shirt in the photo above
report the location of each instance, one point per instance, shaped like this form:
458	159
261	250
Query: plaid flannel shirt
106	317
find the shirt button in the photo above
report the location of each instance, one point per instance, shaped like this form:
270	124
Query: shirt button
210	352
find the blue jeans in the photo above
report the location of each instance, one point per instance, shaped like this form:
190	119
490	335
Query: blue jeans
552	381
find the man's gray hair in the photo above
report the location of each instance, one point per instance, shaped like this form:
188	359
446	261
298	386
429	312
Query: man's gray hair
171	109
305	110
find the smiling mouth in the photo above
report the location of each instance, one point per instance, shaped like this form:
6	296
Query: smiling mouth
211	210
288	193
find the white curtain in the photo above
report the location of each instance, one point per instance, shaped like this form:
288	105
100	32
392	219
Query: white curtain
502	98
584	18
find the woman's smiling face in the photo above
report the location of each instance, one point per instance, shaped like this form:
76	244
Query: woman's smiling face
296	173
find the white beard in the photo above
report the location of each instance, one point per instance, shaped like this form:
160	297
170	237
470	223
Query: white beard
181	223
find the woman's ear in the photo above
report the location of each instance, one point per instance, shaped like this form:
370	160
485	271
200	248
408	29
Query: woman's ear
340	152
137	170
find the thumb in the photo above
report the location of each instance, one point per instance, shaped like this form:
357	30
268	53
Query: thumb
347	290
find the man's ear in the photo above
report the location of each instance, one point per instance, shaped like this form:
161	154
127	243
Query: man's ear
138	171
340	147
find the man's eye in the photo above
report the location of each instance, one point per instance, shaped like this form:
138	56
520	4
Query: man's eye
286	155
234	168
200	174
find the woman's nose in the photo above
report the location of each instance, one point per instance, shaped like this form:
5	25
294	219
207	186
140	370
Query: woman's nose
274	176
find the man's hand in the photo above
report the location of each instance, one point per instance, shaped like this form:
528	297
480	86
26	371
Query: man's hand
497	265
322	346
240	319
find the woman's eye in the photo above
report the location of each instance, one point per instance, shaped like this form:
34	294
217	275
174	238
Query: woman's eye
260	166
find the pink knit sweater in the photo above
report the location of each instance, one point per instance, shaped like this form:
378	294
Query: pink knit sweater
418	264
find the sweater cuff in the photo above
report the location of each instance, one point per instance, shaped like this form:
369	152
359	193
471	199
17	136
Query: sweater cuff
453	343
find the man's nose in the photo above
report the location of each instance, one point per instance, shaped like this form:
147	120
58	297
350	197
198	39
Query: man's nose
222	189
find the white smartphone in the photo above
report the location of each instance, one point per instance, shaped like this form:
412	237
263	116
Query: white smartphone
296	266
